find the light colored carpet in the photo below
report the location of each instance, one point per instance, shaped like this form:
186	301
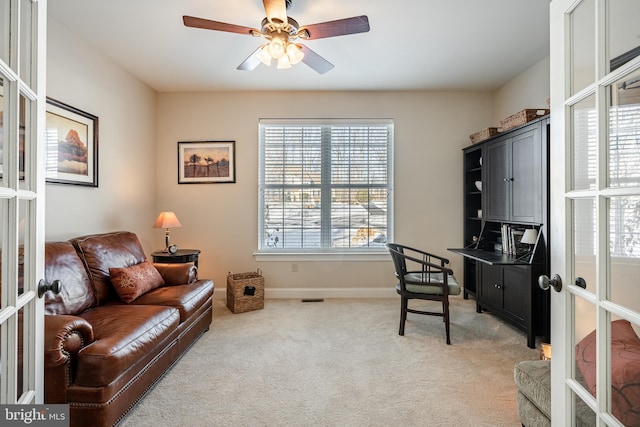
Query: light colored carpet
341	363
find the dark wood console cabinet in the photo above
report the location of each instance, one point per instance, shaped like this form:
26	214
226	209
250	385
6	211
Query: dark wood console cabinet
512	169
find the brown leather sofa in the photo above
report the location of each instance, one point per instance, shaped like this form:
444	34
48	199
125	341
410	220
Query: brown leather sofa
103	354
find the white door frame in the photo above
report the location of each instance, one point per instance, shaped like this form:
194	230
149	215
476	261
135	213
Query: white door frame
564	386
23	74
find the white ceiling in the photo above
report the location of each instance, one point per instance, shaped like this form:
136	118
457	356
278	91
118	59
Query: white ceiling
413	44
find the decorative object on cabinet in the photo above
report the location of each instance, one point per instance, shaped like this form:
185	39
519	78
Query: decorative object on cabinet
71	143
483	134
167	220
500	269
206	162
522	117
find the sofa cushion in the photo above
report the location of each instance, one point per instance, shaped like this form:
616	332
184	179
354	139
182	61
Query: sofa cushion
76	293
533	380
131	282
126	337
104	251
186	298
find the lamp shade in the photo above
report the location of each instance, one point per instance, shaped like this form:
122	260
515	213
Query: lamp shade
530	236
167	220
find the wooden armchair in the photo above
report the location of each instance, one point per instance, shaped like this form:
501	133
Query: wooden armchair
426	278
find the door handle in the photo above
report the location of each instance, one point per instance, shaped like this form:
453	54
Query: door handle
555	282
43	287
580	282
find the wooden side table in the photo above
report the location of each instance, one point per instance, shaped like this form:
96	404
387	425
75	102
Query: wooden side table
182	256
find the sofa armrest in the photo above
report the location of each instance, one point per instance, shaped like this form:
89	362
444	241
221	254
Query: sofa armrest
64	337
177	273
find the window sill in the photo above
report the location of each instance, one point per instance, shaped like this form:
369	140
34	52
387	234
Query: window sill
366	256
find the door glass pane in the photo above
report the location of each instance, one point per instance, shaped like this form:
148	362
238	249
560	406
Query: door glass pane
23	246
25	130
624	131
585	344
624	43
3	219
624	247
3	100
583	58
625	366
584	144
26	49
584	242
584	416
21	353
4	30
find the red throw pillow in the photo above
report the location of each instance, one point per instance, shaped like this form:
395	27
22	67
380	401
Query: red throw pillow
131	282
625	370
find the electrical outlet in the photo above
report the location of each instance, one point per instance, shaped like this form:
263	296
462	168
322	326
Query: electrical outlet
294	267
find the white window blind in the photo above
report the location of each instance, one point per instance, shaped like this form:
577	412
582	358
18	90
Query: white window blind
624	171
325	185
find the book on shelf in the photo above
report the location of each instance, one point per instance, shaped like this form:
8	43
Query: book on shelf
511	240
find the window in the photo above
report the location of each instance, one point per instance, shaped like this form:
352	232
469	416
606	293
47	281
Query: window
325	186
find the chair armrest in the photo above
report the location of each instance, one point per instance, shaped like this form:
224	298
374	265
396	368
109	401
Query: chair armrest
177	273
64	337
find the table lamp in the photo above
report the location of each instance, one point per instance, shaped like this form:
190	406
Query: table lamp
530	237
167	220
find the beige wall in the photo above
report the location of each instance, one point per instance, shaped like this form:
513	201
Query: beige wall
139	131
431	128
126	109
530	89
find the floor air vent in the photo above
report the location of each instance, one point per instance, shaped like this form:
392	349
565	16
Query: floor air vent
313	300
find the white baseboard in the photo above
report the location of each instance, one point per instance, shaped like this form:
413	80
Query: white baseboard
316	293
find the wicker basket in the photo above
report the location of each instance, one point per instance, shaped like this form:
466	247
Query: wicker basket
245	291
522	117
484	134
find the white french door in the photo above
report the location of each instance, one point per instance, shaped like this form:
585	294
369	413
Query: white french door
595	203
22	115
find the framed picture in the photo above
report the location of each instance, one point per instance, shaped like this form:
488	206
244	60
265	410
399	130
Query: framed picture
71	145
206	162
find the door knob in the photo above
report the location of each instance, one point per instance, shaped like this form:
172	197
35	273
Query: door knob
555	282
43	287
580	282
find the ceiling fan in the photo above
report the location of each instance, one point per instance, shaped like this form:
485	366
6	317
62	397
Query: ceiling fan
282	32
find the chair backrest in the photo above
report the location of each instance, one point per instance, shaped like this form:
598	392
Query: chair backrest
400	254
399	263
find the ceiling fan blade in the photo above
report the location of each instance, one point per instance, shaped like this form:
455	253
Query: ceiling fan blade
315	61
251	62
206	24
340	27
276	10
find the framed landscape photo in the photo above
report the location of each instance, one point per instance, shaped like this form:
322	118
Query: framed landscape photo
206	162
71	145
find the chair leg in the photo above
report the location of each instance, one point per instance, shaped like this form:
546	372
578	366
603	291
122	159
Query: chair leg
445	309
403	314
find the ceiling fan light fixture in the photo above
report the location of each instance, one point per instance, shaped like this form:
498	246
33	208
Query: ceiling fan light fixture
294	53
276	48
264	56
283	62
